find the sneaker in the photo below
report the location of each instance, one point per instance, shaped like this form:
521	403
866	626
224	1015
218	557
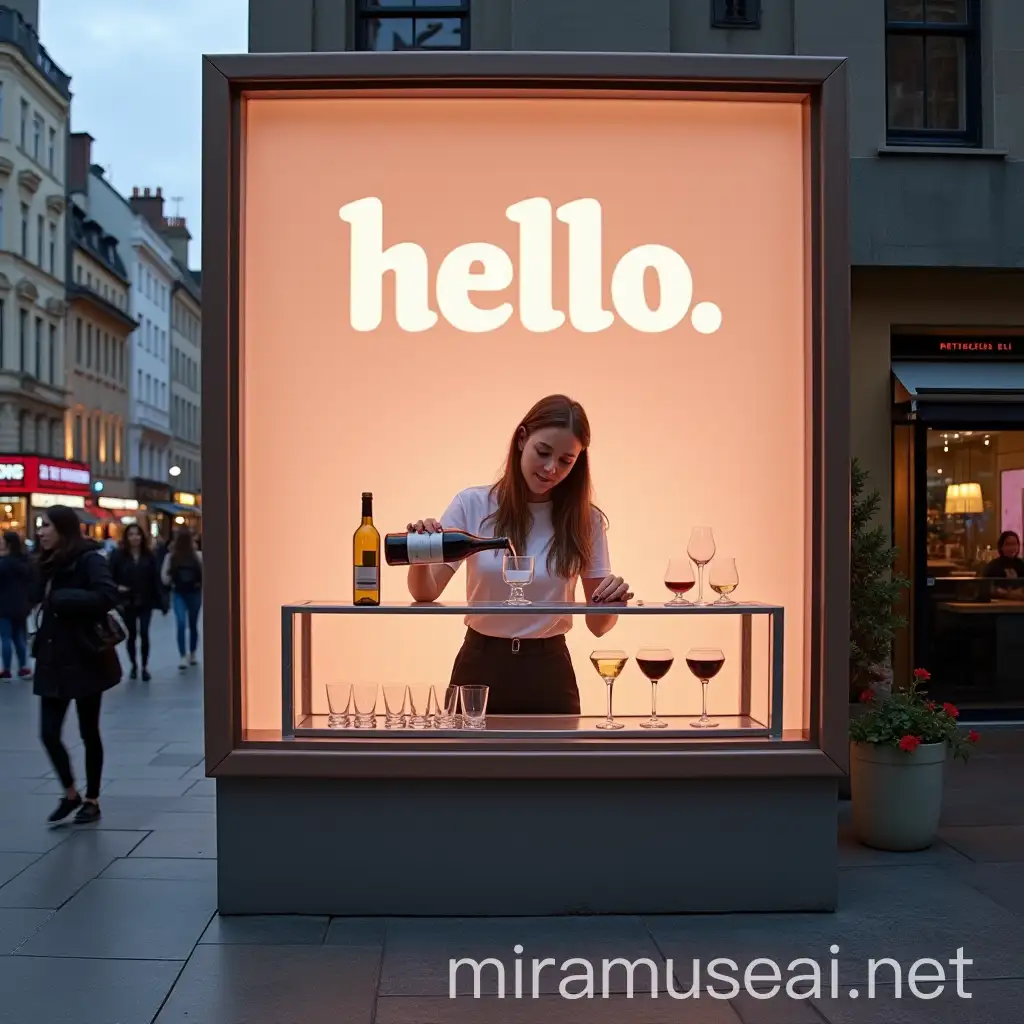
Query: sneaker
64	808
183	664
25	672
5	674
193	660
87	813
145	675
134	674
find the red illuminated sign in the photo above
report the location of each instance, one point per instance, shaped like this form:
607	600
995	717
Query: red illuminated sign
45	475
944	347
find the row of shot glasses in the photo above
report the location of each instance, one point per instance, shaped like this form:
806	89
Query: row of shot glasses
406	706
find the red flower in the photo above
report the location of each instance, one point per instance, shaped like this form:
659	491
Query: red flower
973	737
922	673
867	696
951	710
930	705
910	743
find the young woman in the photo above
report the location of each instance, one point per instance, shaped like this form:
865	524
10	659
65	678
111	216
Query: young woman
1008	566
74	591
182	571
137	575
542	503
15	603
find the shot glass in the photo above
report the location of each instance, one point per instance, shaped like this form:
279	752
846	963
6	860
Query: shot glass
339	705
364	703
444	704
395	705
419	698
474	706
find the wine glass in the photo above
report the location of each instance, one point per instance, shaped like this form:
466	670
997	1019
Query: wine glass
701	549
724	578
609	664
705	663
517	572
654	662
678	579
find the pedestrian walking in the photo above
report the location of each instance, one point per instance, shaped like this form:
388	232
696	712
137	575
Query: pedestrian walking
141	592
76	656
182	571
15	604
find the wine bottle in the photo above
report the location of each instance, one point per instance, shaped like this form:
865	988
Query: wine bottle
366	557
446	546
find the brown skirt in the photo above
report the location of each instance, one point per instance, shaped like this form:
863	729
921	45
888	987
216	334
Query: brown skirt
526	677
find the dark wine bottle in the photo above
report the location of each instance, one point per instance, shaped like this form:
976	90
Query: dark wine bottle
366	558
446	546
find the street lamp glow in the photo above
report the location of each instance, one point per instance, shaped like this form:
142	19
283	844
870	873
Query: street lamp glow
175	471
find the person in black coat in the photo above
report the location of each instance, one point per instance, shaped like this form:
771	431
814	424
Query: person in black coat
136	572
74	591
15	603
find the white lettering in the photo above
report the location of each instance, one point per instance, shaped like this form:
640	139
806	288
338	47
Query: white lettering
369	261
12	471
914	978
457	277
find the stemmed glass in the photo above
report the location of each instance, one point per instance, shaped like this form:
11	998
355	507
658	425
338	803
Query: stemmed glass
701	549
678	579
705	663
724	578
517	572
654	662
609	664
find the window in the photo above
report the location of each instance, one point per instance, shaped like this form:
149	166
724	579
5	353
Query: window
88	346
53	248
23	340
39	348
37	138
412	25
106	354
24	230
78	341
78	274
1	218
932	70
3	334
23	138
735	13
51	151
2	110
53	355
40	236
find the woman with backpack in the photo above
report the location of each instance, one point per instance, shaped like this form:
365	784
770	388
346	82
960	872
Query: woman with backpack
15	604
76	656
183	572
137	575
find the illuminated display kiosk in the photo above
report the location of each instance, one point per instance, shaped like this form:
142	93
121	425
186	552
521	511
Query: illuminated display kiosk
402	253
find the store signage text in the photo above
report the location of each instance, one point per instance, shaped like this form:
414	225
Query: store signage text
47	475
484	267
12	471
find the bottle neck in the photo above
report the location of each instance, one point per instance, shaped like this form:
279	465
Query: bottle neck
367	511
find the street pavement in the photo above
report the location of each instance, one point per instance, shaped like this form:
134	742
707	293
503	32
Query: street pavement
117	924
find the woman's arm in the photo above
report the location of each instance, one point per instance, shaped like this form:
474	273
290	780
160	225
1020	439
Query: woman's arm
165	571
98	596
599	587
427	582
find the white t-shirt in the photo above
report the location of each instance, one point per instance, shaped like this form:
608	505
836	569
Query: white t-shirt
468	510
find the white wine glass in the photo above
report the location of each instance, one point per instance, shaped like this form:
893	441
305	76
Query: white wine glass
654	662
705	663
609	664
724	578
701	549
517	572
679	580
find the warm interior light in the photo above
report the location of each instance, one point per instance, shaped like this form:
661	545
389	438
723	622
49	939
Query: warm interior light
964	499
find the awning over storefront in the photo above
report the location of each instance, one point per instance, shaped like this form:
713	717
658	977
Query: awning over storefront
172	508
960	382
86	516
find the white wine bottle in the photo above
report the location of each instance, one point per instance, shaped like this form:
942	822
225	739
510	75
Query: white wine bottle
366	558
446	546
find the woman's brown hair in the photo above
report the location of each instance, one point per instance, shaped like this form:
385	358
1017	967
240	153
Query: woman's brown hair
144	547
572	513
183	548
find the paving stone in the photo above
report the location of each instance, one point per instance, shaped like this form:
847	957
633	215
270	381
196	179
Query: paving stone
170	869
180	760
130	918
234	984
991	1002
356	931
1002	883
191	842
16	925
987	842
12	864
267	930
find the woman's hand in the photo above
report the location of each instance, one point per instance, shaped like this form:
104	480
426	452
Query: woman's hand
610	590
425	526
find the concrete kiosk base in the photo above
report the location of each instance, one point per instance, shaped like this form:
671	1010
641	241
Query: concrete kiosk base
525	847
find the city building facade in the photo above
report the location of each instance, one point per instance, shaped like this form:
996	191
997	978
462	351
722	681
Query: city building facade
936	137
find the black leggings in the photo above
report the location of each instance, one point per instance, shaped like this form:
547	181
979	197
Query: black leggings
137	620
52	722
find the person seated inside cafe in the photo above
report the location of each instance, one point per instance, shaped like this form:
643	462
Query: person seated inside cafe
1007	566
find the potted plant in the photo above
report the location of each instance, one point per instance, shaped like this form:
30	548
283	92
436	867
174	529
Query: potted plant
898	750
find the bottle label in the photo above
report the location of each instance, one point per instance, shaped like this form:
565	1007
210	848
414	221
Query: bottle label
424	547
366	577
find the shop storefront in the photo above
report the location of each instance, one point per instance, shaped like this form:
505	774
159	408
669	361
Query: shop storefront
184	510
153	513
30	484
111	514
703	324
958	444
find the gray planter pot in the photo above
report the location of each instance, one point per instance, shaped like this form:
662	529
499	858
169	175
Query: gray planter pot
897	797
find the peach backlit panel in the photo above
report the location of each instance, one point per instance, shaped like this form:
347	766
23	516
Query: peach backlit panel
688	427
